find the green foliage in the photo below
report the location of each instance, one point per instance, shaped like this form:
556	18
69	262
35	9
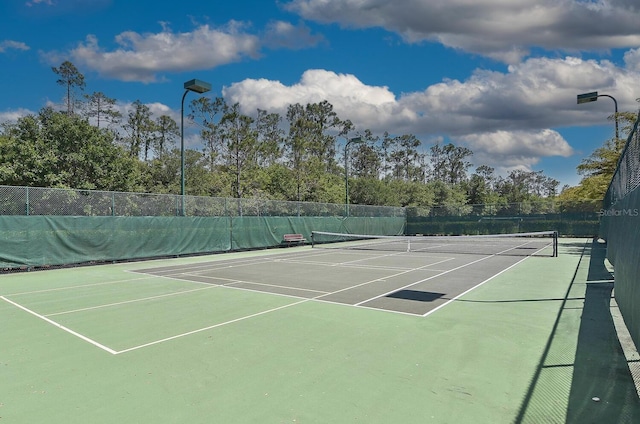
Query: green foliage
450	163
593	187
140	130
278	181
101	108
70	78
372	191
267	156
449	196
598	168
54	149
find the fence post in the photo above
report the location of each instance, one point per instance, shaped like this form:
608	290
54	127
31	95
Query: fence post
27	202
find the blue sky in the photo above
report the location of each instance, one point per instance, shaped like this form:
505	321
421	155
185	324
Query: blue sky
497	76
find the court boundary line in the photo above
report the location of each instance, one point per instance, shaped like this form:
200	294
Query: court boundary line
276	257
223	263
420	281
124	302
220	324
447	272
301	301
231	281
104	283
352	264
453	299
60	326
346	265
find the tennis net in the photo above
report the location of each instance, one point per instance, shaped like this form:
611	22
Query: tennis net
541	243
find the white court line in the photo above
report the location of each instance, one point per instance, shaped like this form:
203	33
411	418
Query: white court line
473	288
443	273
81	286
124	302
374	281
324	294
421	281
317	298
345	265
62	327
221	264
386	255
234	281
209	327
177	278
350	264
203	266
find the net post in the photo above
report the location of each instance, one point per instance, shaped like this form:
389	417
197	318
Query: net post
555	244
312	239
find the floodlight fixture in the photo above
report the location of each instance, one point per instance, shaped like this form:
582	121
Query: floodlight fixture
592	97
197	86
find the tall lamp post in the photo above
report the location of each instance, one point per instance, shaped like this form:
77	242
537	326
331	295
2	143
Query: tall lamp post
199	87
592	97
346	171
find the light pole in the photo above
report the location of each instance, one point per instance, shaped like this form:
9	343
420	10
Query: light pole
592	97
346	171
199	87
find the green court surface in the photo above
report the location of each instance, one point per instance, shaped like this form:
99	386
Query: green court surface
299	335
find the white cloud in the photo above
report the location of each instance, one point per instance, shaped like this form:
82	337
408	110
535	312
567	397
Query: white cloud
34	2
502	29
14	115
505	117
632	60
371	107
539	93
145	57
508	150
141	57
10	44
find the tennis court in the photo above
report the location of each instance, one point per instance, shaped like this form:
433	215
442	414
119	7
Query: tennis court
365	334
370	272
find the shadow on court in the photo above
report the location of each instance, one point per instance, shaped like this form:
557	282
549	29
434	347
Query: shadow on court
416	295
602	389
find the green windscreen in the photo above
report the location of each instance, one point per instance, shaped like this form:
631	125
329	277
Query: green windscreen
621	230
37	240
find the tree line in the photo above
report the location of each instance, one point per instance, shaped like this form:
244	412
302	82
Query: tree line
300	156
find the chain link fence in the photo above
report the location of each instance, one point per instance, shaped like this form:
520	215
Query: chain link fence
549	208
620	229
576	218
627	176
65	202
